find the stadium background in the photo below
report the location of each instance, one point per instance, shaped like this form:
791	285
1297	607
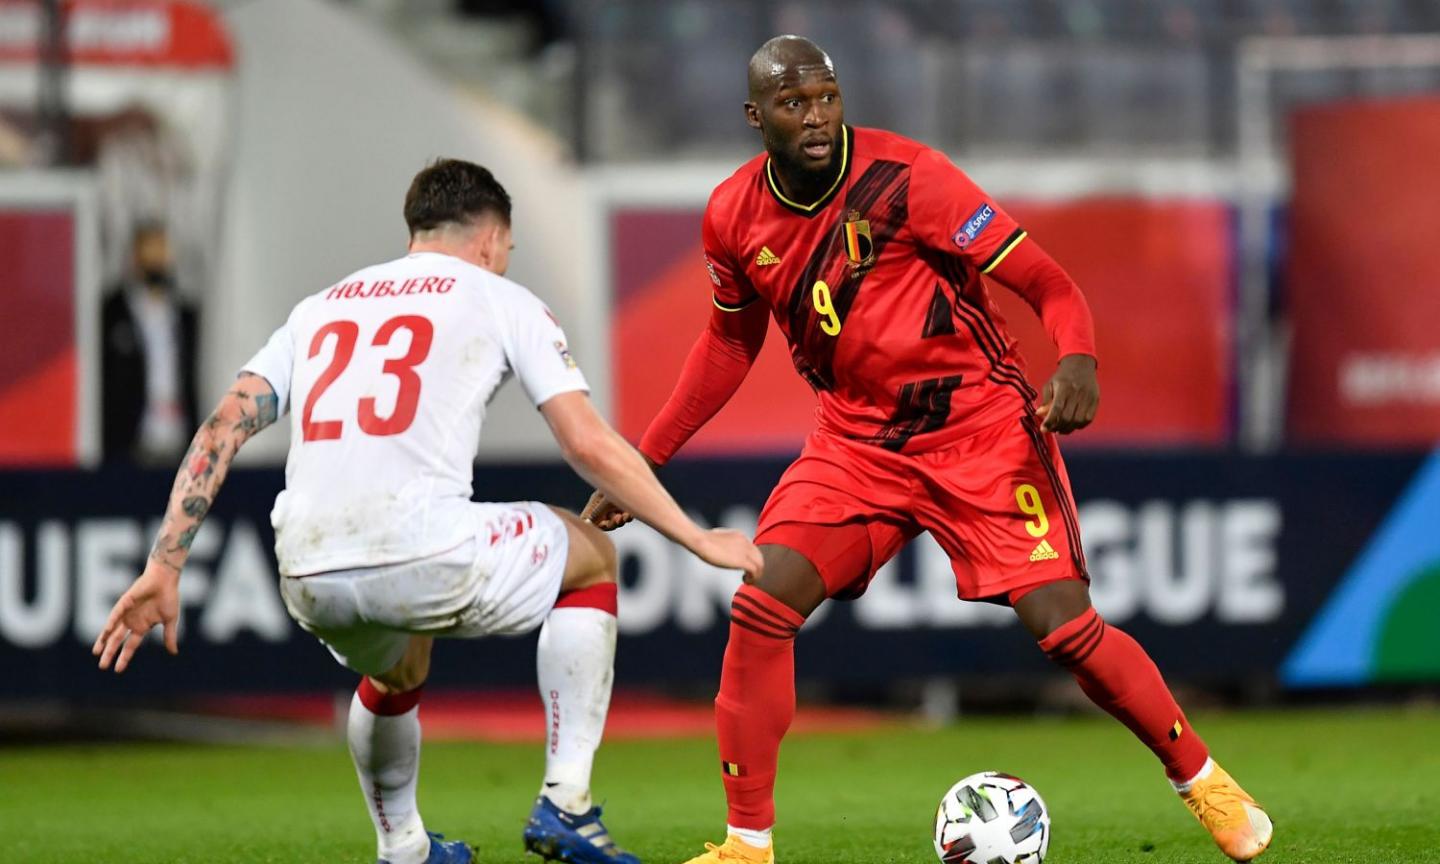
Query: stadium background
1245	190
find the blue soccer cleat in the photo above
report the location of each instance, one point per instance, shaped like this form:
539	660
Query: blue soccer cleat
556	835
444	851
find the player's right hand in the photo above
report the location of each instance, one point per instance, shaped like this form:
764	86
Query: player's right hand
600	512
730	550
153	599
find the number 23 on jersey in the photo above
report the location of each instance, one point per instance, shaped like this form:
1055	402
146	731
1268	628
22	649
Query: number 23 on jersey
407	400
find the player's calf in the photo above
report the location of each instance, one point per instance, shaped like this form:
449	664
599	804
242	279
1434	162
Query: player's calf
575	664
383	732
1118	676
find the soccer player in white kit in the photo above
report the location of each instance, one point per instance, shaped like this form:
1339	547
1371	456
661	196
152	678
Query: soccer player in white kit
386	375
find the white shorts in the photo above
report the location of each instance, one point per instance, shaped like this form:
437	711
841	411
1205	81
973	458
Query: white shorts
503	581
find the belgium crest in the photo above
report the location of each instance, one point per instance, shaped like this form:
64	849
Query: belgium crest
859	248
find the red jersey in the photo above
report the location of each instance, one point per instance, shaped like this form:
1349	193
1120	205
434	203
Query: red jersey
877	286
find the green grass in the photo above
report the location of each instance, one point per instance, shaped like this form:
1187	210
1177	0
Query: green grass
1343	786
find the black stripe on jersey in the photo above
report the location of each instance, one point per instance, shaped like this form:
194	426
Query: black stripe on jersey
1001	371
992	344
862	196
1005	374
811	350
885	221
939	320
1072	523
1001	250
922	406
955	271
995	374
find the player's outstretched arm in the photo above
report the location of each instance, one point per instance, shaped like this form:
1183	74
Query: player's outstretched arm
715	369
607	461
154	598
953	216
1071	396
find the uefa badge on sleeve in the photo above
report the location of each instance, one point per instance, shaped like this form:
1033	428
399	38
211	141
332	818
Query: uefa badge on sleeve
978	221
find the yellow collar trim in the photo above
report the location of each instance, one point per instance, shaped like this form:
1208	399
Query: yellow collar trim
823	199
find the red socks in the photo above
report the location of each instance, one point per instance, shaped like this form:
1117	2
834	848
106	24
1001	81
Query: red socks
604	597
756	703
387	704
1117	675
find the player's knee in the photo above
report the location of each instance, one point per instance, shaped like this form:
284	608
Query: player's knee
400	680
607	564
1046	609
410	672
602	561
593	559
790	578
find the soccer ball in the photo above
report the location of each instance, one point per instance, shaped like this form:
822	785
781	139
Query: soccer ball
992	818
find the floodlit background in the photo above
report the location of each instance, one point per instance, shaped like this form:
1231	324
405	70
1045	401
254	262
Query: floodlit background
1246	190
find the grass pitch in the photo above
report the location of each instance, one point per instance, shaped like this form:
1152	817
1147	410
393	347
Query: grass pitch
1343	786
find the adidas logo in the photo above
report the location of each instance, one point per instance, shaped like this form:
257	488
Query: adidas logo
1044	552
766	257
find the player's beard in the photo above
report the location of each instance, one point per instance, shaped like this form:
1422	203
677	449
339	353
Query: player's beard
812	181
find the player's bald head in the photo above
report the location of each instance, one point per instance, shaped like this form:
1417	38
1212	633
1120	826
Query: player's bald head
786	59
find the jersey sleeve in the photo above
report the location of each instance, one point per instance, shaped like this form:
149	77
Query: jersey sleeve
537	350
950	214
732	289
276	364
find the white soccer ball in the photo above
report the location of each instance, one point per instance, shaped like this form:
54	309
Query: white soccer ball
992	818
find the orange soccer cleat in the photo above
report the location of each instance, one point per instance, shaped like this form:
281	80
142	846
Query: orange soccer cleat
735	851
1238	825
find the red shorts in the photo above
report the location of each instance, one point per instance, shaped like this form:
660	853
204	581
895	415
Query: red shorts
998	503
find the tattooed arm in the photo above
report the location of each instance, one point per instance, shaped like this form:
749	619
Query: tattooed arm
154	598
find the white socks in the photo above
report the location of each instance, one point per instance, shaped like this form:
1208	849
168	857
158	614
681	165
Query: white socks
575	666
386	752
1204	772
757	838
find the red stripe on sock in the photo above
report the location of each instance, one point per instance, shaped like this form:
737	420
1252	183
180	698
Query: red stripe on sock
605	597
1062	640
755	627
387	704
1082	647
759	601
756	703
1118	676
744	612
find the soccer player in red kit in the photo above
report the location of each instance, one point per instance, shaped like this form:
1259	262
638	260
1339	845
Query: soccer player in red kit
868	249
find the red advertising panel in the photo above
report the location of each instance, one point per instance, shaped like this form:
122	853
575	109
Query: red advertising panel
1157	275
1363	283
662	301
147	33
38	357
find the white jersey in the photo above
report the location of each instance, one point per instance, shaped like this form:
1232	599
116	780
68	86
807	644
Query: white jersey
386	375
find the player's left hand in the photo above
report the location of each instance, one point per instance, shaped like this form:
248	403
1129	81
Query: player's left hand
153	599
603	513
1071	396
